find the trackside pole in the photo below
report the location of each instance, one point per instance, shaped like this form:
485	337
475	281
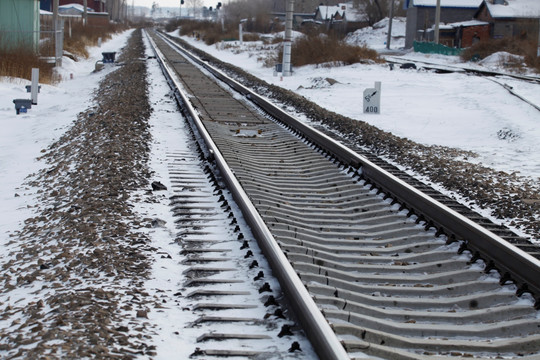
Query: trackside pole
287	42
35	85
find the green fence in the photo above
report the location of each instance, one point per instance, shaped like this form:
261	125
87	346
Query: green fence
432	48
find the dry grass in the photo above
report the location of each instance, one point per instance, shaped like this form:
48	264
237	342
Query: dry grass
18	62
315	48
83	37
208	31
511	45
329	51
212	32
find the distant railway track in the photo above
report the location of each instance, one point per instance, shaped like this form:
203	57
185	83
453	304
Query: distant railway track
455	68
494	76
395	273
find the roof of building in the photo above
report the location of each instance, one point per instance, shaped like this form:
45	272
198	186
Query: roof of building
327	12
515	9
77	7
469	23
463	24
448	3
343	10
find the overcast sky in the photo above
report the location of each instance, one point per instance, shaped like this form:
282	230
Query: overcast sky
172	3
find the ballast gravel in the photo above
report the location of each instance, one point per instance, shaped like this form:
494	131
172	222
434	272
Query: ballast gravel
81	254
510	199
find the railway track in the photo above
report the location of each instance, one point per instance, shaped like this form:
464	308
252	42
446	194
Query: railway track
494	76
396	274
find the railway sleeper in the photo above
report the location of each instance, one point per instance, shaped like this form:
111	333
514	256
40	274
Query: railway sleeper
413	328
413	280
360	240
514	347
397	289
458	304
343	309
362	248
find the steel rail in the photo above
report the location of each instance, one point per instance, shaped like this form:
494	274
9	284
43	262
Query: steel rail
512	262
321	335
455	68
478	72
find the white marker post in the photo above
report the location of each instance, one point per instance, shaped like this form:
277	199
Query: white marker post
241	30
35	85
240	33
372	99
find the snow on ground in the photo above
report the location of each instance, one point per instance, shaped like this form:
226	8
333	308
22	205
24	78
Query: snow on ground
24	136
376	36
173	337
454	110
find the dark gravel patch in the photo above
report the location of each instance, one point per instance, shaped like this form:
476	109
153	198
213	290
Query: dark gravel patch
513	199
81	254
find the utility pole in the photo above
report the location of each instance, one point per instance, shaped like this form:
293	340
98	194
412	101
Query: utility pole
389	36
287	42
437	20
58	39
55	14
85	12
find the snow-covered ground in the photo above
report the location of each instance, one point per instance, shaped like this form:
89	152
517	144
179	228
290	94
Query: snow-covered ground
376	36
454	110
24	136
23	140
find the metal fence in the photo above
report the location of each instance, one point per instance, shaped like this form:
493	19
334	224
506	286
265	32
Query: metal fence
432	48
47	43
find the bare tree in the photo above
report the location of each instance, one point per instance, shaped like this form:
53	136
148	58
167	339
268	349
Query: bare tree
257	13
376	10
196	7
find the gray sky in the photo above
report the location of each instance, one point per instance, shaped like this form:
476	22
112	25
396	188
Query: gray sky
171	3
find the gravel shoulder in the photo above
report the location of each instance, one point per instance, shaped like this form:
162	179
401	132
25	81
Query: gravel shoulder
81	257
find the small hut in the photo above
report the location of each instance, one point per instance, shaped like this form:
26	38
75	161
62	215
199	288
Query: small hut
19	25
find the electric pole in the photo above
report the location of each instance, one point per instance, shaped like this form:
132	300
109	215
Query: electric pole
437	20
85	12
389	37
58	39
287	42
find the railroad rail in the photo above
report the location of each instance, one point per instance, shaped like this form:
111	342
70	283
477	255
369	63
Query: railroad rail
456	68
371	265
487	74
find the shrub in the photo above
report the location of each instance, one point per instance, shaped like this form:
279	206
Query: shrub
18	63
514	46
330	51
86	36
209	31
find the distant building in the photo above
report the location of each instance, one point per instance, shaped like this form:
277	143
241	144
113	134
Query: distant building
421	16
73	9
74	13
19	24
46	5
95	5
463	34
342	16
512	18
302	6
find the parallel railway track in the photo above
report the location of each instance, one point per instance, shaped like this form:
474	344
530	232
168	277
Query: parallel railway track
494	76
396	274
